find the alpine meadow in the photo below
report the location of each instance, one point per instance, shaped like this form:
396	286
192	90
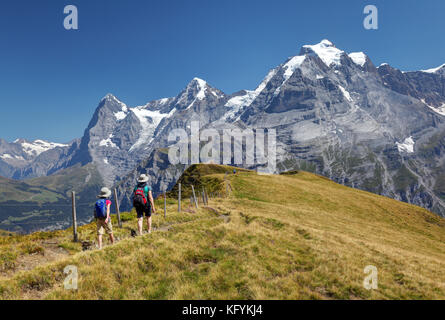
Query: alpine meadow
222	159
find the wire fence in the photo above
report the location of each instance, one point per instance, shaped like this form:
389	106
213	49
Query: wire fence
197	197
45	205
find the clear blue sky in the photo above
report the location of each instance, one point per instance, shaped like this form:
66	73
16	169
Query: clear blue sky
51	79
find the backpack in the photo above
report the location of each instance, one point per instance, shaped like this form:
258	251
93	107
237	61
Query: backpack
139	199
101	208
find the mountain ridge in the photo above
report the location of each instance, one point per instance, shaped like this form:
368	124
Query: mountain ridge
336	114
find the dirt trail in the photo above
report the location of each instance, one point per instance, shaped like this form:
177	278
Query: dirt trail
53	252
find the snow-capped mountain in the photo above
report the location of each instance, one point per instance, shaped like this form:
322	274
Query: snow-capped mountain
335	113
27	159
21	150
119	137
437	70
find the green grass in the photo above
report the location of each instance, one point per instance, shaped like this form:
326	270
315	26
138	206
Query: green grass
203	176
12	190
29	205
293	236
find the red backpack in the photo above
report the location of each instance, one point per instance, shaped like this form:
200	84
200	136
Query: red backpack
139	199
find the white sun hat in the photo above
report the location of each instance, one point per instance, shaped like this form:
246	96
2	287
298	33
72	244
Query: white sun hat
143	178
104	193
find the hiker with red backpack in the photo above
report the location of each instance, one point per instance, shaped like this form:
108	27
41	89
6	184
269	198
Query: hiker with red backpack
143	202
102	215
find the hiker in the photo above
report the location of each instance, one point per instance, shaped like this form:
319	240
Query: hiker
143	202
102	215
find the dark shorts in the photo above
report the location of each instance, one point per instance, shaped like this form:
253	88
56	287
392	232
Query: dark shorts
141	210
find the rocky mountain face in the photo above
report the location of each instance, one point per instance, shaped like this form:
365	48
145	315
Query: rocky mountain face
426	86
377	129
374	128
118	138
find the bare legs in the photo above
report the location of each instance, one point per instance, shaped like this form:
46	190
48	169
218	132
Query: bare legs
99	241
149	224
140	221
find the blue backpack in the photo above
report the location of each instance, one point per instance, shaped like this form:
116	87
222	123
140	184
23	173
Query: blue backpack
101	208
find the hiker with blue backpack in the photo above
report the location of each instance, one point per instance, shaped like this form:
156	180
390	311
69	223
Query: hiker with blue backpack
102	215
143	202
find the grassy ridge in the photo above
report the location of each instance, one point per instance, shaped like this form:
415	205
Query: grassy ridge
203	176
75	178
296	236
38	203
12	190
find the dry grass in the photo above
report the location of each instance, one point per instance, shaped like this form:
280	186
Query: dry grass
283	237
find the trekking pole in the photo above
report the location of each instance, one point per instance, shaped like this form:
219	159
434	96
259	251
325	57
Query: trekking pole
74	216
116	200
165	205
194	197
179	198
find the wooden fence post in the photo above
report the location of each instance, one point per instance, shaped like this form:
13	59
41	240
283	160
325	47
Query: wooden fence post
165	205
116	200
74	217
194	197
179	198
206	196
203	198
